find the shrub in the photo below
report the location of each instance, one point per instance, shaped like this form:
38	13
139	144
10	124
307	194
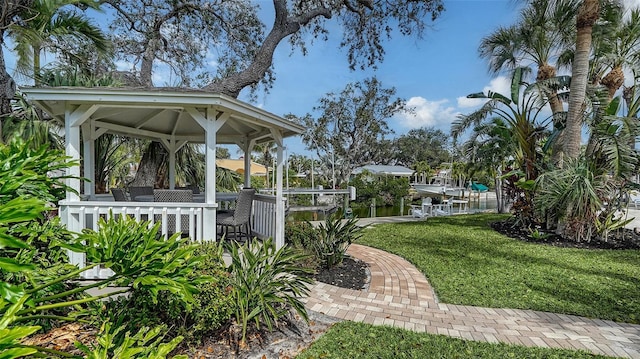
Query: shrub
212	307
266	283
335	237
300	234
145	344
24	187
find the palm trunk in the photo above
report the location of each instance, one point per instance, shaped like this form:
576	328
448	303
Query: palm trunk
588	13
150	164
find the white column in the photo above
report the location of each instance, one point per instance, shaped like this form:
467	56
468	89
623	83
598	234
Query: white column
247	166
209	225
279	236
72	150
89	160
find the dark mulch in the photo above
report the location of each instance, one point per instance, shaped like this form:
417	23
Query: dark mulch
351	274
619	239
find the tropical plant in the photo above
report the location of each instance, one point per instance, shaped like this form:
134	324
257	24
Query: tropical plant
266	283
52	23
520	113
587	15
146	343
490	148
587	195
616	46
543	36
335	235
212	308
24	121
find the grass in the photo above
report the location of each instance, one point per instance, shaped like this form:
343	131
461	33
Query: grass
358	340
468	263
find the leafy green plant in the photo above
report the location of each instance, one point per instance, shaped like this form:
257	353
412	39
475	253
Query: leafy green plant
136	253
211	310
335	237
145	343
537	235
140	257
32	173
266	283
302	235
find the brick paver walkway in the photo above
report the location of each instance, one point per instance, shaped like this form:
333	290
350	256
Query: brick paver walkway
399	295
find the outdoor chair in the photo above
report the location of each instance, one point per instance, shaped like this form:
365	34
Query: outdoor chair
175	195
240	217
423	210
140	191
634	198
119	194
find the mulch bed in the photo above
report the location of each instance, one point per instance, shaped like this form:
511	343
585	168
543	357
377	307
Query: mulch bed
351	274
619	239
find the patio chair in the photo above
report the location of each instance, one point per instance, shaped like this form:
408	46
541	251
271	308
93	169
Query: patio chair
140	191
174	195
119	194
634	198
240	217
423	210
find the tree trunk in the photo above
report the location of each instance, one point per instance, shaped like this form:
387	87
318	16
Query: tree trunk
500	203
150	164
545	72
7	90
588	13
613	81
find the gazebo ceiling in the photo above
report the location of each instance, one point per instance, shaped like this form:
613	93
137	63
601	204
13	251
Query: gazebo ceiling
160	113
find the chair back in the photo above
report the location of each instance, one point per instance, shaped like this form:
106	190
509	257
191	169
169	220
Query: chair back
174	195
119	195
426	200
244	205
140	191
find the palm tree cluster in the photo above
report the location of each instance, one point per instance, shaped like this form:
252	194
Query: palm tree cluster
532	138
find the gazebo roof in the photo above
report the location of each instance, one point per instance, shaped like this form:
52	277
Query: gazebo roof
160	113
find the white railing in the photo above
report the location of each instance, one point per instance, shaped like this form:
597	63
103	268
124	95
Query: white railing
189	219
263	223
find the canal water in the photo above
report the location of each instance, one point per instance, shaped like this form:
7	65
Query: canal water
485	202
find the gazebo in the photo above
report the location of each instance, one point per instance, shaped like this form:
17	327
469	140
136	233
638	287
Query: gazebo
174	118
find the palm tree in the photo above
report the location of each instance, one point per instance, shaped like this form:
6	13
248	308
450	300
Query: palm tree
616	43
490	147
542	34
265	156
520	113
588	14
51	24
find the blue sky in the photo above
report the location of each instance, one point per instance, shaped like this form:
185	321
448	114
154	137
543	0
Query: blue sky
433	74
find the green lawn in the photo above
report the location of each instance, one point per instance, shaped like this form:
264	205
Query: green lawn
469	263
358	340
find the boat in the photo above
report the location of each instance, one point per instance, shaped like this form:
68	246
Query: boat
440	184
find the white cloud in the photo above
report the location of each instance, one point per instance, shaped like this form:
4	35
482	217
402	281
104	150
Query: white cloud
500	84
428	114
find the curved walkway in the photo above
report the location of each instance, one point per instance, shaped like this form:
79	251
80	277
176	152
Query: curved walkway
399	295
